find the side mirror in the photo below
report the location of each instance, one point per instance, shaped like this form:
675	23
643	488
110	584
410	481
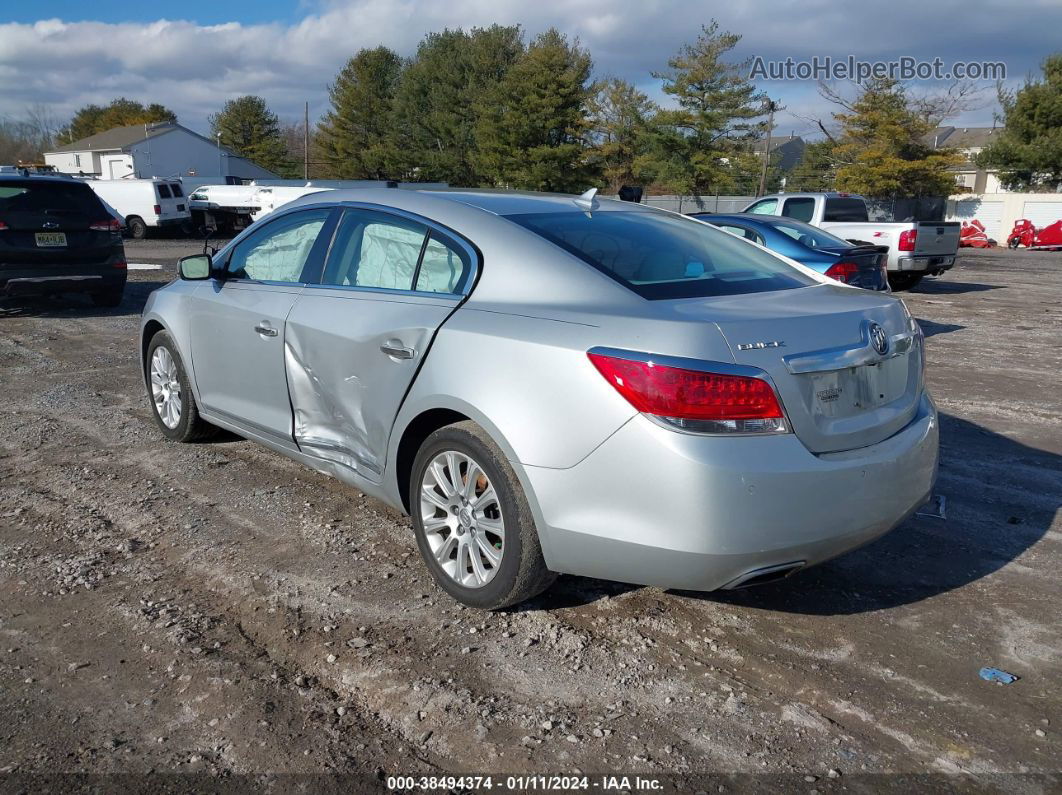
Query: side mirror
195	267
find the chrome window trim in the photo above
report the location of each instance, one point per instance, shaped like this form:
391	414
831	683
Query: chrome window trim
451	298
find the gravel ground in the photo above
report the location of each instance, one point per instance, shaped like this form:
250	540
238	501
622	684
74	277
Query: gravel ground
218	609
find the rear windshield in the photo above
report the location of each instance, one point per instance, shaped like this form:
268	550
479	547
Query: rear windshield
661	256
61	197
810	236
164	191
176	190
854	210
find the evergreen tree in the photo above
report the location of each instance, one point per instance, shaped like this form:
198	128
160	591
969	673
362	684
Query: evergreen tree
440	96
882	150
619	115
250	129
816	171
356	139
533	128
1028	153
703	146
121	112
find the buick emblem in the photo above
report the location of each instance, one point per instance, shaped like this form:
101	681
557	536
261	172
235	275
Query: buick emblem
879	339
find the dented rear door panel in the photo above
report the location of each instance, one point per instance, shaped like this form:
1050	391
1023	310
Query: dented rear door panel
350	356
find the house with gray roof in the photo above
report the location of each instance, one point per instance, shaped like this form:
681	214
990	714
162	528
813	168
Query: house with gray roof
969	141
162	149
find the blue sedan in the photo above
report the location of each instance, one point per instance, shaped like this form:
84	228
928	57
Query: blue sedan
860	265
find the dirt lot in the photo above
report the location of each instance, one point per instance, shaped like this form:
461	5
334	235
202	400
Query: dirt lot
218	609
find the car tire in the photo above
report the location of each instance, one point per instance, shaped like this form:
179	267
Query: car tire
452	542
136	226
904	280
108	298
187	426
1014	242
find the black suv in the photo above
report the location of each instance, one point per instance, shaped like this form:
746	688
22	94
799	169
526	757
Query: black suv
56	236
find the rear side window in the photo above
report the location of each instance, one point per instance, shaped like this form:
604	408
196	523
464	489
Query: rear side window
660	256
801	209
43	197
810	236
852	210
177	192
373	249
164	192
443	267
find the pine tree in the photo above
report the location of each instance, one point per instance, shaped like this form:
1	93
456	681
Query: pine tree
250	129
357	138
703	146
1028	153
619	115
440	97
882	150
533	128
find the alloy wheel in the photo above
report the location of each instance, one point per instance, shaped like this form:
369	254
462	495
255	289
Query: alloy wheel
166	387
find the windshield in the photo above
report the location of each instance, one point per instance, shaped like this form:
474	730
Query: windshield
660	256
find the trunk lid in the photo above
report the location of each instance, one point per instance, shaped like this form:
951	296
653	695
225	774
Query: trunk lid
817	345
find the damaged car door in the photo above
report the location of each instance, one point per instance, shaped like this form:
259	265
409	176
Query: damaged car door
237	319
355	341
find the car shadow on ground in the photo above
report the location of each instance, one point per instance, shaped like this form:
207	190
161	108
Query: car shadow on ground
931	328
68	305
989	524
940	287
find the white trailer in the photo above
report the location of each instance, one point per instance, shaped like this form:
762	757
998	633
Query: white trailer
145	203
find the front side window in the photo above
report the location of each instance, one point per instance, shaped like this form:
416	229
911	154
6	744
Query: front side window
802	209
280	250
765	207
443	268
373	249
661	256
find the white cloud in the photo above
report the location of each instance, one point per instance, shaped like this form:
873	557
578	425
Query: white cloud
194	68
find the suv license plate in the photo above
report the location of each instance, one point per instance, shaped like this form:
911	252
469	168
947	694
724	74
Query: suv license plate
51	239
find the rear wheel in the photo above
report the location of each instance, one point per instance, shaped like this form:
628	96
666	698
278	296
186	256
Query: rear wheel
136	226
472	521
172	401
904	280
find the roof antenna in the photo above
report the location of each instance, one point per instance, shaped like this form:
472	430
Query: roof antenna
587	201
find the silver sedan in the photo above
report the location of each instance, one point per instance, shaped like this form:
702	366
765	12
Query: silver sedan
555	384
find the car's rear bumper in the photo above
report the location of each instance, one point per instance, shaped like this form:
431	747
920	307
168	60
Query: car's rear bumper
658	507
18	280
925	264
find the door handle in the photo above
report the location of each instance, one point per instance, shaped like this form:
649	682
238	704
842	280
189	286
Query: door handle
396	349
267	331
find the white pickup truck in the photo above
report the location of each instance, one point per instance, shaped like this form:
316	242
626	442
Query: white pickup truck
916	248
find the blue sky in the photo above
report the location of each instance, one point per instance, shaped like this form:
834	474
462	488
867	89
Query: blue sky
193	55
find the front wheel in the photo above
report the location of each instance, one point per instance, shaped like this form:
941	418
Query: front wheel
172	401
904	280
473	524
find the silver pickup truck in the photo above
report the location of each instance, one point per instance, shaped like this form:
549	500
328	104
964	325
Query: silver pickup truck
916	248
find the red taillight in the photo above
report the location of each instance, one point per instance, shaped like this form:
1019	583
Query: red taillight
3	225
843	271
121	266
680	394
110	225
158	209
907	240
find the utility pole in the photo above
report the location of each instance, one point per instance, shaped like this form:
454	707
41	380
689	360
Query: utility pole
306	141
772	106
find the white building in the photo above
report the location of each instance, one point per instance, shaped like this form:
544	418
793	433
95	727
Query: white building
969	141
162	149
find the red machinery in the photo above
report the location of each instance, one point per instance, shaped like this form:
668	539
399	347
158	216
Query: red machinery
973	235
1049	238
